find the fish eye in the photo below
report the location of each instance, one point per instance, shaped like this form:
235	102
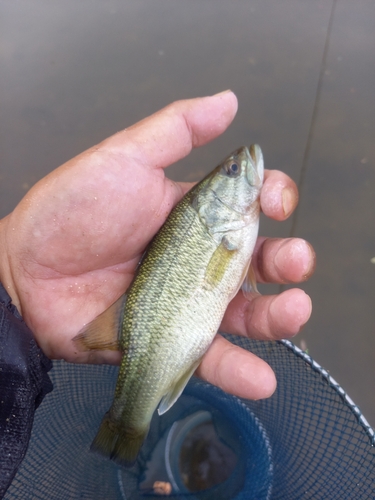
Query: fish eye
232	169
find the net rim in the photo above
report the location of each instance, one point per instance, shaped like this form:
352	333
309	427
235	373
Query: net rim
335	386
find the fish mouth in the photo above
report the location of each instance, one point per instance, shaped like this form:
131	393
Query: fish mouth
255	168
256	155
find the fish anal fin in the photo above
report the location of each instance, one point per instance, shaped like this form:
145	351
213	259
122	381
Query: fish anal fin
249	285
118	444
176	390
103	333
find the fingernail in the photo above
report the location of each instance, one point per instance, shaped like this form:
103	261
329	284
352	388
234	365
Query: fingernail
311	261
223	92
295	258
289	201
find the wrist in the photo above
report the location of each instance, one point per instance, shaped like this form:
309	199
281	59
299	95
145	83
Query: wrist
6	277
24	382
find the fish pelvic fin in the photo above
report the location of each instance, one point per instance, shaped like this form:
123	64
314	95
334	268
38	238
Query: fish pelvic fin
103	333
249	285
118	444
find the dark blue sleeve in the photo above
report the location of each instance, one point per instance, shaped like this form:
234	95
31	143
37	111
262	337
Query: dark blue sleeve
23	384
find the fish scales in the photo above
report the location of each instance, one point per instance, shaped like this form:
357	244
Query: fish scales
175	287
173	309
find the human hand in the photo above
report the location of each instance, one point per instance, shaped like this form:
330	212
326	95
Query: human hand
71	246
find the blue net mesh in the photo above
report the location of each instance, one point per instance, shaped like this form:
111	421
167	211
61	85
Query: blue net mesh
307	441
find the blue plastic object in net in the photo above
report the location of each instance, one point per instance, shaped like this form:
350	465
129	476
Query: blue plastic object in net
308	441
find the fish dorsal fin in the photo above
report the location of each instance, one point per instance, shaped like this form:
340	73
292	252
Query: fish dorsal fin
175	392
103	333
249	285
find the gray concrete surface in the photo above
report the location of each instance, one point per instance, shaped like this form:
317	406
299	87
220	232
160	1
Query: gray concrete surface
73	73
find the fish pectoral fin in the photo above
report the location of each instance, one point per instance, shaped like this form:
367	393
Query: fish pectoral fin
175	392
119	444
103	333
249	285
218	264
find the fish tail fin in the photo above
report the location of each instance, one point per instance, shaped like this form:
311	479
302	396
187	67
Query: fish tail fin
106	437
121	446
128	448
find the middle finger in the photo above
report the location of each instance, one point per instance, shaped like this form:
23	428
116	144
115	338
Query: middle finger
280	260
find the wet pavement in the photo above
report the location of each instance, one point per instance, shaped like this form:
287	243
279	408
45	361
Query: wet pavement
304	72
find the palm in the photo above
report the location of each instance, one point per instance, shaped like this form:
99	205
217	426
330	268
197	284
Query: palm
80	248
70	248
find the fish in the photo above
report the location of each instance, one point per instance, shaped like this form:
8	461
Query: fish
169	316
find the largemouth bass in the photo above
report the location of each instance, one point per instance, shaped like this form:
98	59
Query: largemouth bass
169	316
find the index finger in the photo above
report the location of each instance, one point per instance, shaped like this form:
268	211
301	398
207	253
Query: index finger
279	195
